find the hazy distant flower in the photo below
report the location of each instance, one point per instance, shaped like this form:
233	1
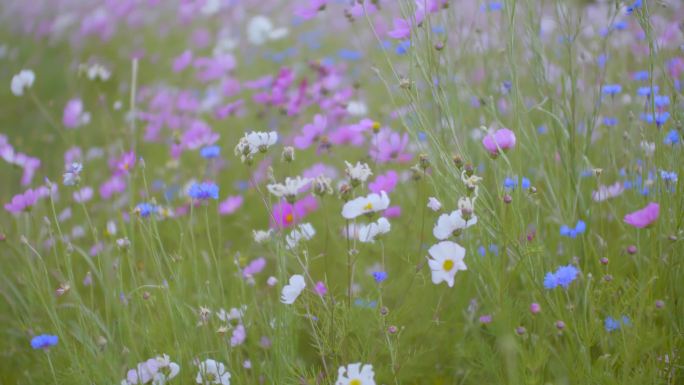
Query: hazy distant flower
254	267
203	191
83	195
502	139
75	115
230	204
563	277
320	288
23	202
126	162
446	260
146	209
401	30
644	217
365	205
612	324
379	276
434	204
72	175
44	341
239	335
311	132
260	30
606	192
450	224
579	228
156	370
384	182
355	374
212	372
389	146
210	152
311	9
293	289
22	81
261	236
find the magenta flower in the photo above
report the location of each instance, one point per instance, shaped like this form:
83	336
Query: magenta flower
182	61
114	185
503	139
125	163
390	146
23	202
644	217
286	214
401	30
239	336
320	288
74	114
311	10
230	205
384	182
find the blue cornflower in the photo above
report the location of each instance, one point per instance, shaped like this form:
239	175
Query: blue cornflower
661	101
510	183
438	29
44	341
640	76
620	25
379	276
203	191
647	91
491	6
348	54
660	118
146	209
494	249
482	251
611	89
636	5
403	47
668	175
563	276
542	129
672	138
609	121
210	152
525	183
579	228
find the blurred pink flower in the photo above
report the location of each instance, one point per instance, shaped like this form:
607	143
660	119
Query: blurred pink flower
390	146
254	267
384	182
230	205
644	217
502	138
401	30
23	202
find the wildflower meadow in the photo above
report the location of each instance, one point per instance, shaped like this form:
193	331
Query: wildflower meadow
343	192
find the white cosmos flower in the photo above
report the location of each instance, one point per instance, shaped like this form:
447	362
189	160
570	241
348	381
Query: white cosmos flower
156	370
434	204
22	81
364	205
358	173
261	141
260	30
447	224
606	192
304	231
261	236
367	233
355	374
357	108
290	189
447	259
293	289
212	372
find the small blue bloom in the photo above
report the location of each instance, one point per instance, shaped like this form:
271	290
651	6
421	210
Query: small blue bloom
482	251
611	89
44	341
510	183
542	129
672	138
647	91
348	54
636	5
564	276
580	227
611	324
379	276
620	25
640	76
660	118
203	191
661	101
526	183
491	6
146	209
403	47
668	175
210	152
494	249
609	121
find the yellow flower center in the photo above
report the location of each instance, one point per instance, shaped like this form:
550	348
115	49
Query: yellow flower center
355	381
448	265
368	207
289	218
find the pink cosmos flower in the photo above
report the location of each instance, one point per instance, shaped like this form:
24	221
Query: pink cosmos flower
311	10
401	30
73	113
182	61
390	146
22	202
239	336
114	185
83	195
287	214
384	182
230	205
644	217
125	163
502	138
320	288
392	212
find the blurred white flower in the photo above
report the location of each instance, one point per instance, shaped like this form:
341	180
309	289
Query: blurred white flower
290	189
293	289
606	192
22	81
367	233
254	142
357	108
358	173
260	29
156	370
355	374
212	372
447	259
304	231
365	205
261	236
434	204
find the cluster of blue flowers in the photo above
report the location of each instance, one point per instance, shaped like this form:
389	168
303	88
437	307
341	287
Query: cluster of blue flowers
204	191
146	209
563	276
512	183
566	231
612	324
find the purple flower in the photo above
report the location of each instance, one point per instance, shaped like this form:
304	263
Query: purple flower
83	195
230	205
74	114
390	146
254	267
311	132
485	319
23	202
644	217
385	182
503	139
401	30
320	288
239	336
